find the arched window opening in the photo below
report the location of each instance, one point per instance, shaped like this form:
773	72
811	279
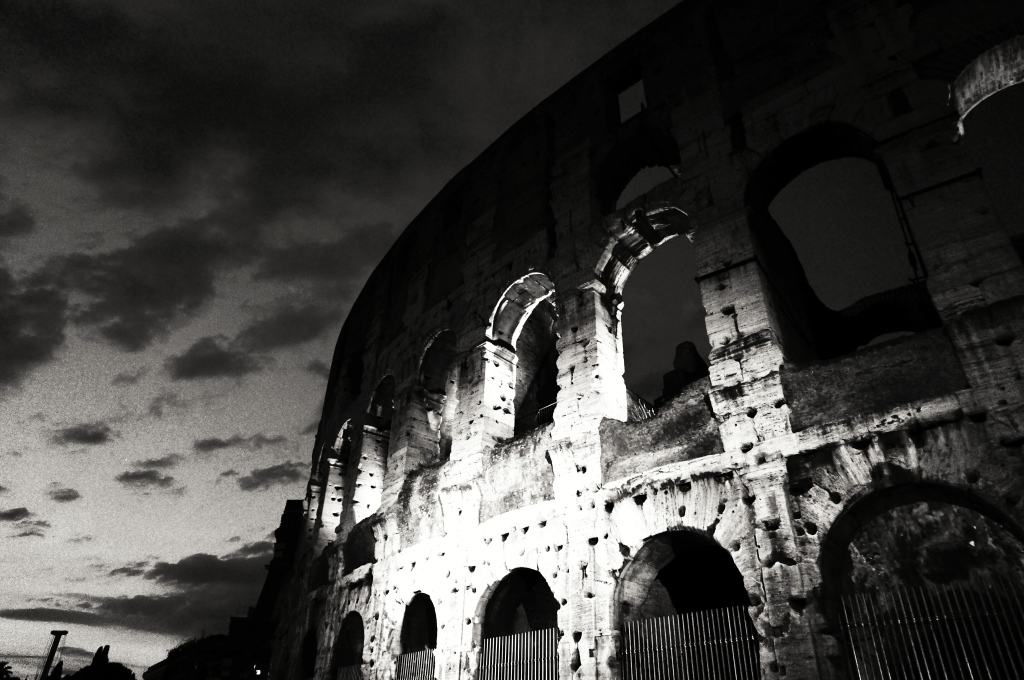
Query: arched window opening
642	182
650	145
382	404
310	643
418	638
524	319
520	627
931	555
687	581
521	602
360	546
439	382
536	370
839	255
419	626
347	658
664	338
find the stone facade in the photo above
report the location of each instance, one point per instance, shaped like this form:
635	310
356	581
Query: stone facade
808	456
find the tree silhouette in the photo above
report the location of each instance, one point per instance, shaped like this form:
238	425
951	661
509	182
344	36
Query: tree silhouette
102	669
5	671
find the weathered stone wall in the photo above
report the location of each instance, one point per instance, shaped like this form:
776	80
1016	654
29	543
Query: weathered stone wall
802	451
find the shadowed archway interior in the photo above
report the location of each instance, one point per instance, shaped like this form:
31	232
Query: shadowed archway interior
521	602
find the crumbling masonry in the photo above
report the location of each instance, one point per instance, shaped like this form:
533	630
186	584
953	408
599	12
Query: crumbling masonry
481	469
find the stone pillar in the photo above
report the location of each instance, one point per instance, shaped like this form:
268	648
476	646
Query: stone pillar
590	380
313	506
487	388
333	502
745	330
409	433
373	464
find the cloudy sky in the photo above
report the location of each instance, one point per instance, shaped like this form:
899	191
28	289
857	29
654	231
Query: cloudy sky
191	195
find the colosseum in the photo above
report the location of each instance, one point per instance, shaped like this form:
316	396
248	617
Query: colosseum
819	490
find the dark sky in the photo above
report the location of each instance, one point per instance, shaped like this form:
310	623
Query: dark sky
191	195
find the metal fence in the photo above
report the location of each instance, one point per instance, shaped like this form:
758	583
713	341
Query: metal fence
349	673
416	665
953	632
707	645
527	656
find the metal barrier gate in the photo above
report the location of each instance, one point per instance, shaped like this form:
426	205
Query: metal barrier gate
953	632
707	645
529	656
416	665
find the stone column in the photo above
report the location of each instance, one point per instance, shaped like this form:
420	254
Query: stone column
372	467
590	380
333	502
486	391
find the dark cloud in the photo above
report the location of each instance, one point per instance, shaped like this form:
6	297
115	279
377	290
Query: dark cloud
208	358
166	401
319	368
138	293
63	494
229	473
127	571
84	434
311	428
264	478
162	463
14	514
256	548
3	489
234	539
256	441
145	479
286	327
30	528
206	591
18	220
31	325
304	102
129	377
85	538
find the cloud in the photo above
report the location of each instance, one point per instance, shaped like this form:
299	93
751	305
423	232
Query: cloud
264	478
129	377
3	489
145	479
84	538
164	462
229	473
14	514
319	368
63	494
31	325
311	428
137	294
208	358
205	591
288	326
85	434
18	220
256	442
166	401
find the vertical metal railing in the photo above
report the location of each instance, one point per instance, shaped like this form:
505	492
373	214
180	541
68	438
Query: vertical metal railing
706	645
973	632
349	673
416	665
524	656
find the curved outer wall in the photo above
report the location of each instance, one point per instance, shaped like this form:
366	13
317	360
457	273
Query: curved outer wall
769	446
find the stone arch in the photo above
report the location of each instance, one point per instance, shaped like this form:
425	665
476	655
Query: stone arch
677	572
438	388
994	70
311	642
348	647
834	556
419	625
808	328
523	320
634	237
649	143
381	409
521	601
